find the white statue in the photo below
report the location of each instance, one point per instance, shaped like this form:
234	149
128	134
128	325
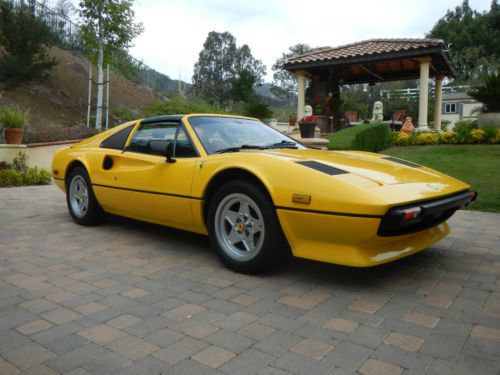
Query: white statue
308	111
378	111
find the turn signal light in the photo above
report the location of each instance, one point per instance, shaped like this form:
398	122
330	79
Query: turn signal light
411	213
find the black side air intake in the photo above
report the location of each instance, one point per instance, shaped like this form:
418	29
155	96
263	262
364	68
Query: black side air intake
404	162
320	167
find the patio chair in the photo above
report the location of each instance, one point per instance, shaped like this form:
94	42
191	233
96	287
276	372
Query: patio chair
351	118
397	119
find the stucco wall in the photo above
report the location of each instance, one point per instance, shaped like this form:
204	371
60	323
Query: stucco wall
39	155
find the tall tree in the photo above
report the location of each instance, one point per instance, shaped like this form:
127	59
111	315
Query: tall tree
285	83
222	66
473	39
107	24
24	38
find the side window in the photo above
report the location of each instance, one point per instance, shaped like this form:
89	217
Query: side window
117	140
168	132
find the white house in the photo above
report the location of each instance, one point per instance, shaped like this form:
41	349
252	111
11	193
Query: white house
458	106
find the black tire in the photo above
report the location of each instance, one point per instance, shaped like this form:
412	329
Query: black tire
93	214
272	248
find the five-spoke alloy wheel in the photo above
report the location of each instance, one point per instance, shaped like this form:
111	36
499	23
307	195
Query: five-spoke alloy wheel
82	203
244	228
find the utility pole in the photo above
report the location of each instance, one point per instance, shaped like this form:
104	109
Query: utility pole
107	97
100	58
90	95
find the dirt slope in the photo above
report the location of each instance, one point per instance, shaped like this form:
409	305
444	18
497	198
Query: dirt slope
62	99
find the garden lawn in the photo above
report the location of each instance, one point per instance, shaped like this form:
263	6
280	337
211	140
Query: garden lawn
478	165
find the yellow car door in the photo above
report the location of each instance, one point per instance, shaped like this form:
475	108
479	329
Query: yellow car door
140	183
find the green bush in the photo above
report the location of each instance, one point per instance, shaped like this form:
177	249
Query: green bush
178	106
18	173
463	130
370	137
258	110
13	117
490	133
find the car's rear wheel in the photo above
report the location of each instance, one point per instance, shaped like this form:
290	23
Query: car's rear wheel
82	203
244	228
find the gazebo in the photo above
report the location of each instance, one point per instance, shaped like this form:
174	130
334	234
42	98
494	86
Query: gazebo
372	61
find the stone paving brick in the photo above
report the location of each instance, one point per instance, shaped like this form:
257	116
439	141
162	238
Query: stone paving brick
376	367
413	362
34	327
256	331
90	308
8	369
60	315
348	356
294	363
342	325
213	356
164	337
486	333
368	336
136	293
244	299
299	302
185	311
28	355
146	366
437	301
193	328
56	333
124	321
105	363
403	341
132	347
231	341
312	348
40	369
429	321
365	306
38	306
248	362
180	350
66	343
101	334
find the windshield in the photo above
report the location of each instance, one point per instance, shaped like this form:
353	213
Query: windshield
221	134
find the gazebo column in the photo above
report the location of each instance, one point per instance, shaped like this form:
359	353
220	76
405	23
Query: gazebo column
301	93
423	102
438	100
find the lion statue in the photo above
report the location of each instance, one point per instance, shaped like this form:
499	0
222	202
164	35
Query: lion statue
378	111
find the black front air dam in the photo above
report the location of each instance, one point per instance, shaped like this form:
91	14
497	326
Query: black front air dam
432	213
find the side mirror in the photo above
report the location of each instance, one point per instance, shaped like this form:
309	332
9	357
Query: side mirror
165	148
170	152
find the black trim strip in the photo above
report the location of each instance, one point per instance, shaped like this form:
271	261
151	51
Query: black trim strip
58	178
149	192
329	212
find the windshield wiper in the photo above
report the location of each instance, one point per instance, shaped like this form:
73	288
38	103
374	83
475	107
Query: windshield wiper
242	147
283	144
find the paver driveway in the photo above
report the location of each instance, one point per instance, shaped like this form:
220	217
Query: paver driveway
129	297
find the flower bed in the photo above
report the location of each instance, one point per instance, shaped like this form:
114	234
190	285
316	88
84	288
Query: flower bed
18	173
473	136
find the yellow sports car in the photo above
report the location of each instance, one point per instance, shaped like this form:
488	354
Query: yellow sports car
258	194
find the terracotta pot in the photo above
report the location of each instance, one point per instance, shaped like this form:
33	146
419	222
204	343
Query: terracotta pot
292	121
307	130
14	136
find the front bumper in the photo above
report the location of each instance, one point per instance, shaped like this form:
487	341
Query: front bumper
402	219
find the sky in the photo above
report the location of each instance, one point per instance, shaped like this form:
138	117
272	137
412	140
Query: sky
175	30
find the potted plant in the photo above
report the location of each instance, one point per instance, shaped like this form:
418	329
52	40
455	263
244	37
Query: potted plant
307	126
292	119
487	91
13	120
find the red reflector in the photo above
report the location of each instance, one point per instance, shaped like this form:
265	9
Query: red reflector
409	215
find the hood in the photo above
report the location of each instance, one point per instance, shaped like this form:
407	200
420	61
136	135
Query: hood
378	168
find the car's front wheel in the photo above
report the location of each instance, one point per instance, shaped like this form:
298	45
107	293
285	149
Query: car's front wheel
82	203
244	228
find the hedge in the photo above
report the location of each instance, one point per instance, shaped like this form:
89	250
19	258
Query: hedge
369	137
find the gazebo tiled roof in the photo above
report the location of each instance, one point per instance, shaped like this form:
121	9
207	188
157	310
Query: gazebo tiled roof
373	50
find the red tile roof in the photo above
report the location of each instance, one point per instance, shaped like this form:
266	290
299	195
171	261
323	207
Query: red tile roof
364	48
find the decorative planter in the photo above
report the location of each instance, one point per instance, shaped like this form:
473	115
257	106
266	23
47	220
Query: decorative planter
14	136
307	130
491	118
292	121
